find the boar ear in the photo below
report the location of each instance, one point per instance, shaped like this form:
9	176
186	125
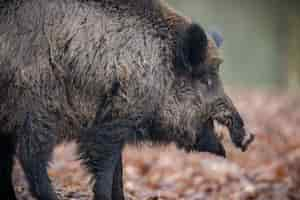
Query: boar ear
191	47
217	37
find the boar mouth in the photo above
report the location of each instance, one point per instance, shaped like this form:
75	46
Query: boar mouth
238	134
210	138
207	140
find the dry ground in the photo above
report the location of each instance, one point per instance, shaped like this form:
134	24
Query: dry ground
270	170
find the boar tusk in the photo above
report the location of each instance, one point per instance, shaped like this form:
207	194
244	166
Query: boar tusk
220	130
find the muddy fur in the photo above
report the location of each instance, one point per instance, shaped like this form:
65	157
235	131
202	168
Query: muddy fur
104	73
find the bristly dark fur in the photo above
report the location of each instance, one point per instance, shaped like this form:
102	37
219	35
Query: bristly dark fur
103	73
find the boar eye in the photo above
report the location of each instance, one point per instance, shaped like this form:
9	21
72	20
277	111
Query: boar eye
191	47
205	79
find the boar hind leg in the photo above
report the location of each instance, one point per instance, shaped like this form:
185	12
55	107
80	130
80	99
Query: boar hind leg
7	150
101	150
36	143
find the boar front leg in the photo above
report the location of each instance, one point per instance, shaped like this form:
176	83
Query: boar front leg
101	150
36	143
117	188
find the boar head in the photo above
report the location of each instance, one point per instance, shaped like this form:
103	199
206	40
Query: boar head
197	96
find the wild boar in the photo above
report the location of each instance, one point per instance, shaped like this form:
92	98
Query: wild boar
104	73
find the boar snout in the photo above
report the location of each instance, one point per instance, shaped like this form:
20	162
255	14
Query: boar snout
239	135
226	114
248	139
235	124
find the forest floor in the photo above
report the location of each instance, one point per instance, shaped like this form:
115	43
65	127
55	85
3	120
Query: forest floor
269	170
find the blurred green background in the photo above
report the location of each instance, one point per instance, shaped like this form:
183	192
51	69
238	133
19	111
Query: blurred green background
262	39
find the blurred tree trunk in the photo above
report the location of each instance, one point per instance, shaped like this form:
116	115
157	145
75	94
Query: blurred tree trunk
293	54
